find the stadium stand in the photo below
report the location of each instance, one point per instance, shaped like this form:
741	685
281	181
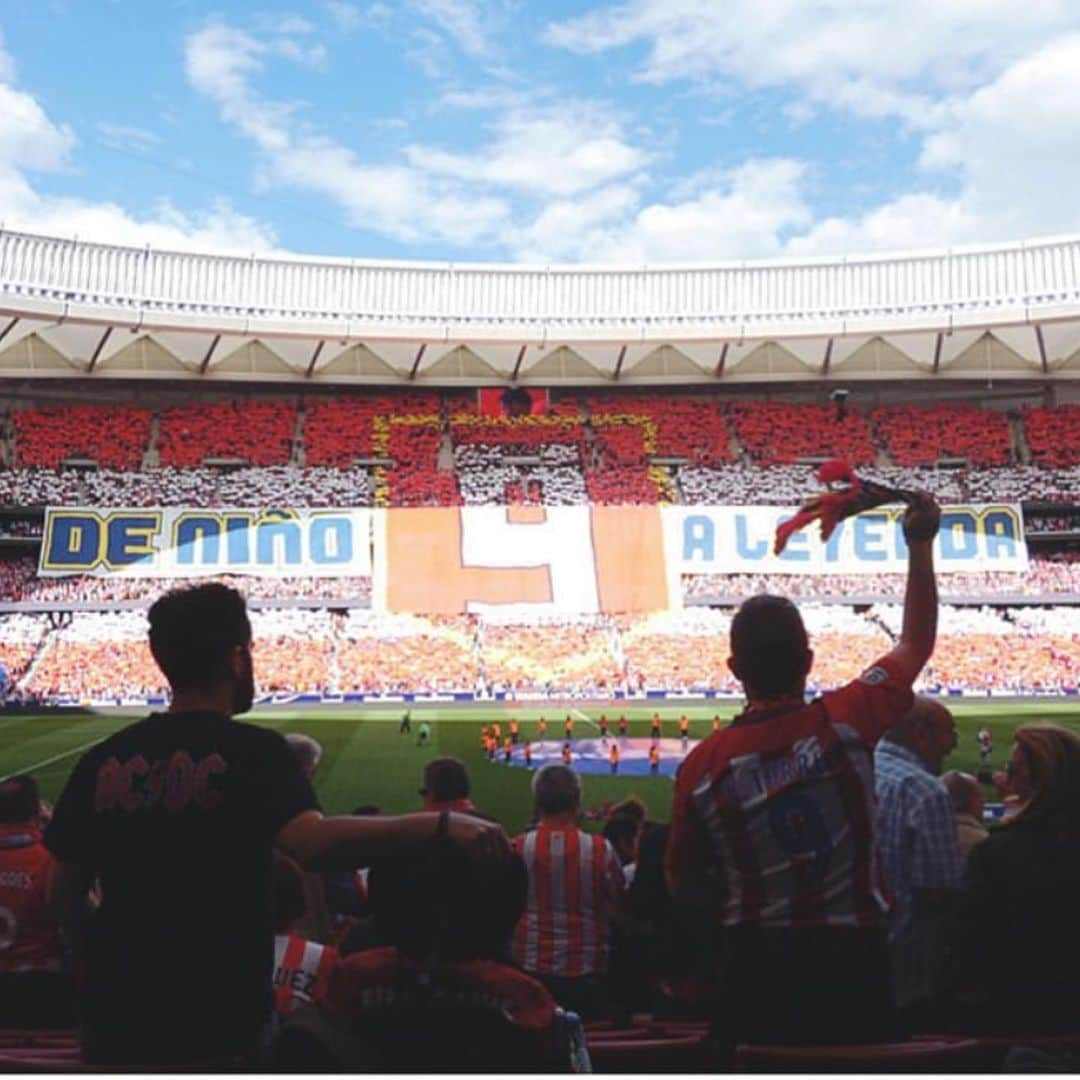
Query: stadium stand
921	435
551	655
979	649
20	637
113	436
257	432
1053	436
387	654
1047	575
782	433
678	650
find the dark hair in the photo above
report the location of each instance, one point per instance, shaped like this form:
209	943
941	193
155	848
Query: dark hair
193	631
19	801
446	779
621	829
631	807
434	900
1052	753
769	645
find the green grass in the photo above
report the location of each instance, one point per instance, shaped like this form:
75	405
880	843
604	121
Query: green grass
365	760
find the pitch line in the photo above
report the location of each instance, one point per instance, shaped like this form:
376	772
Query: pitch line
54	758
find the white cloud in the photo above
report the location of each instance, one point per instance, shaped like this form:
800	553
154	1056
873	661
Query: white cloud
465	22
393	199
563	150
30	142
876	57
347	16
1012	150
745	213
127	137
284	23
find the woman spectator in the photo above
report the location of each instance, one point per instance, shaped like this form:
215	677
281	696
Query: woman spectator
1015	955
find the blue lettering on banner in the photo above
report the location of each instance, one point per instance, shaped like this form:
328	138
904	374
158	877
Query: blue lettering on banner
957	536
331	540
73	541
869	539
236	531
796	550
278	529
202	531
1001	529
699	537
130	539
757	551
832	545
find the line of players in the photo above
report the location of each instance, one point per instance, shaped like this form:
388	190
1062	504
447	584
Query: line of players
491	737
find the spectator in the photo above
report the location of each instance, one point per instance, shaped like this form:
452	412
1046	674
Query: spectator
447	786
301	966
307	751
779	807
1015	955
440	996
575	888
967	802
919	851
35	988
178	815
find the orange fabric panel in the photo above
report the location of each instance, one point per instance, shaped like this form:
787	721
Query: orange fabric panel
424	571
629	542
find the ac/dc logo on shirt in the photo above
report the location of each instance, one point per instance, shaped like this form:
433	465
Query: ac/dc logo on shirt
174	783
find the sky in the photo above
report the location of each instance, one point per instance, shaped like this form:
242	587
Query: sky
643	131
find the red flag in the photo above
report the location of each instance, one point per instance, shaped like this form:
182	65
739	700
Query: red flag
831	506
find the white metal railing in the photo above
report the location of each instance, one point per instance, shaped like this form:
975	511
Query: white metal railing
296	291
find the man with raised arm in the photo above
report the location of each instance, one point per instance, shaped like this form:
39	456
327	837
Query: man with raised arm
177	816
774	815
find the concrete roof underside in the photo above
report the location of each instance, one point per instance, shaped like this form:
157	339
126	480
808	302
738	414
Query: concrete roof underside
73	309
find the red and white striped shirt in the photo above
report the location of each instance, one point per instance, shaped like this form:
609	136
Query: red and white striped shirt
574	883
301	968
781	803
29	932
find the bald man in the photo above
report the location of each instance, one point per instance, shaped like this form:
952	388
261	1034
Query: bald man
919	851
967	801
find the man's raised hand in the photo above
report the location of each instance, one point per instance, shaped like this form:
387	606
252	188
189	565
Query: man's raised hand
922	518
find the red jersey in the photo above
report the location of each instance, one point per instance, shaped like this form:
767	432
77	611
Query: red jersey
378	978
782	802
575	881
301	968
29	934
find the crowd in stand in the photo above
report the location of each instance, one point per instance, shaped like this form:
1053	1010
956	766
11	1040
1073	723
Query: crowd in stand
102	656
441	451
1047	575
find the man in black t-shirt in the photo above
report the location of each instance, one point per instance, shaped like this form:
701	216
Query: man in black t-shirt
177	816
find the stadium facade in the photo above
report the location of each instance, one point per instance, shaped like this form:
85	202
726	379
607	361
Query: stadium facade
180	384
77	309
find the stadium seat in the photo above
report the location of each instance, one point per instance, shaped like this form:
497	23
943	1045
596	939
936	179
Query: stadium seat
644	1053
915	1056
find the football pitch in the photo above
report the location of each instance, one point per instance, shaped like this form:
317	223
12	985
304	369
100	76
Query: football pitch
366	760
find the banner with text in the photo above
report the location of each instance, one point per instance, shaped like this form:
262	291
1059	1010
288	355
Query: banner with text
739	540
175	542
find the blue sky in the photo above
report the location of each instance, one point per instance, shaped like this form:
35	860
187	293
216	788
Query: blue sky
637	131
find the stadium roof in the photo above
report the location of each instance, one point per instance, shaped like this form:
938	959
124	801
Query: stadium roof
69	308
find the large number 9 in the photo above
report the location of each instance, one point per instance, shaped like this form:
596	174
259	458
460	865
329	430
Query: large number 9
799	827
8	928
